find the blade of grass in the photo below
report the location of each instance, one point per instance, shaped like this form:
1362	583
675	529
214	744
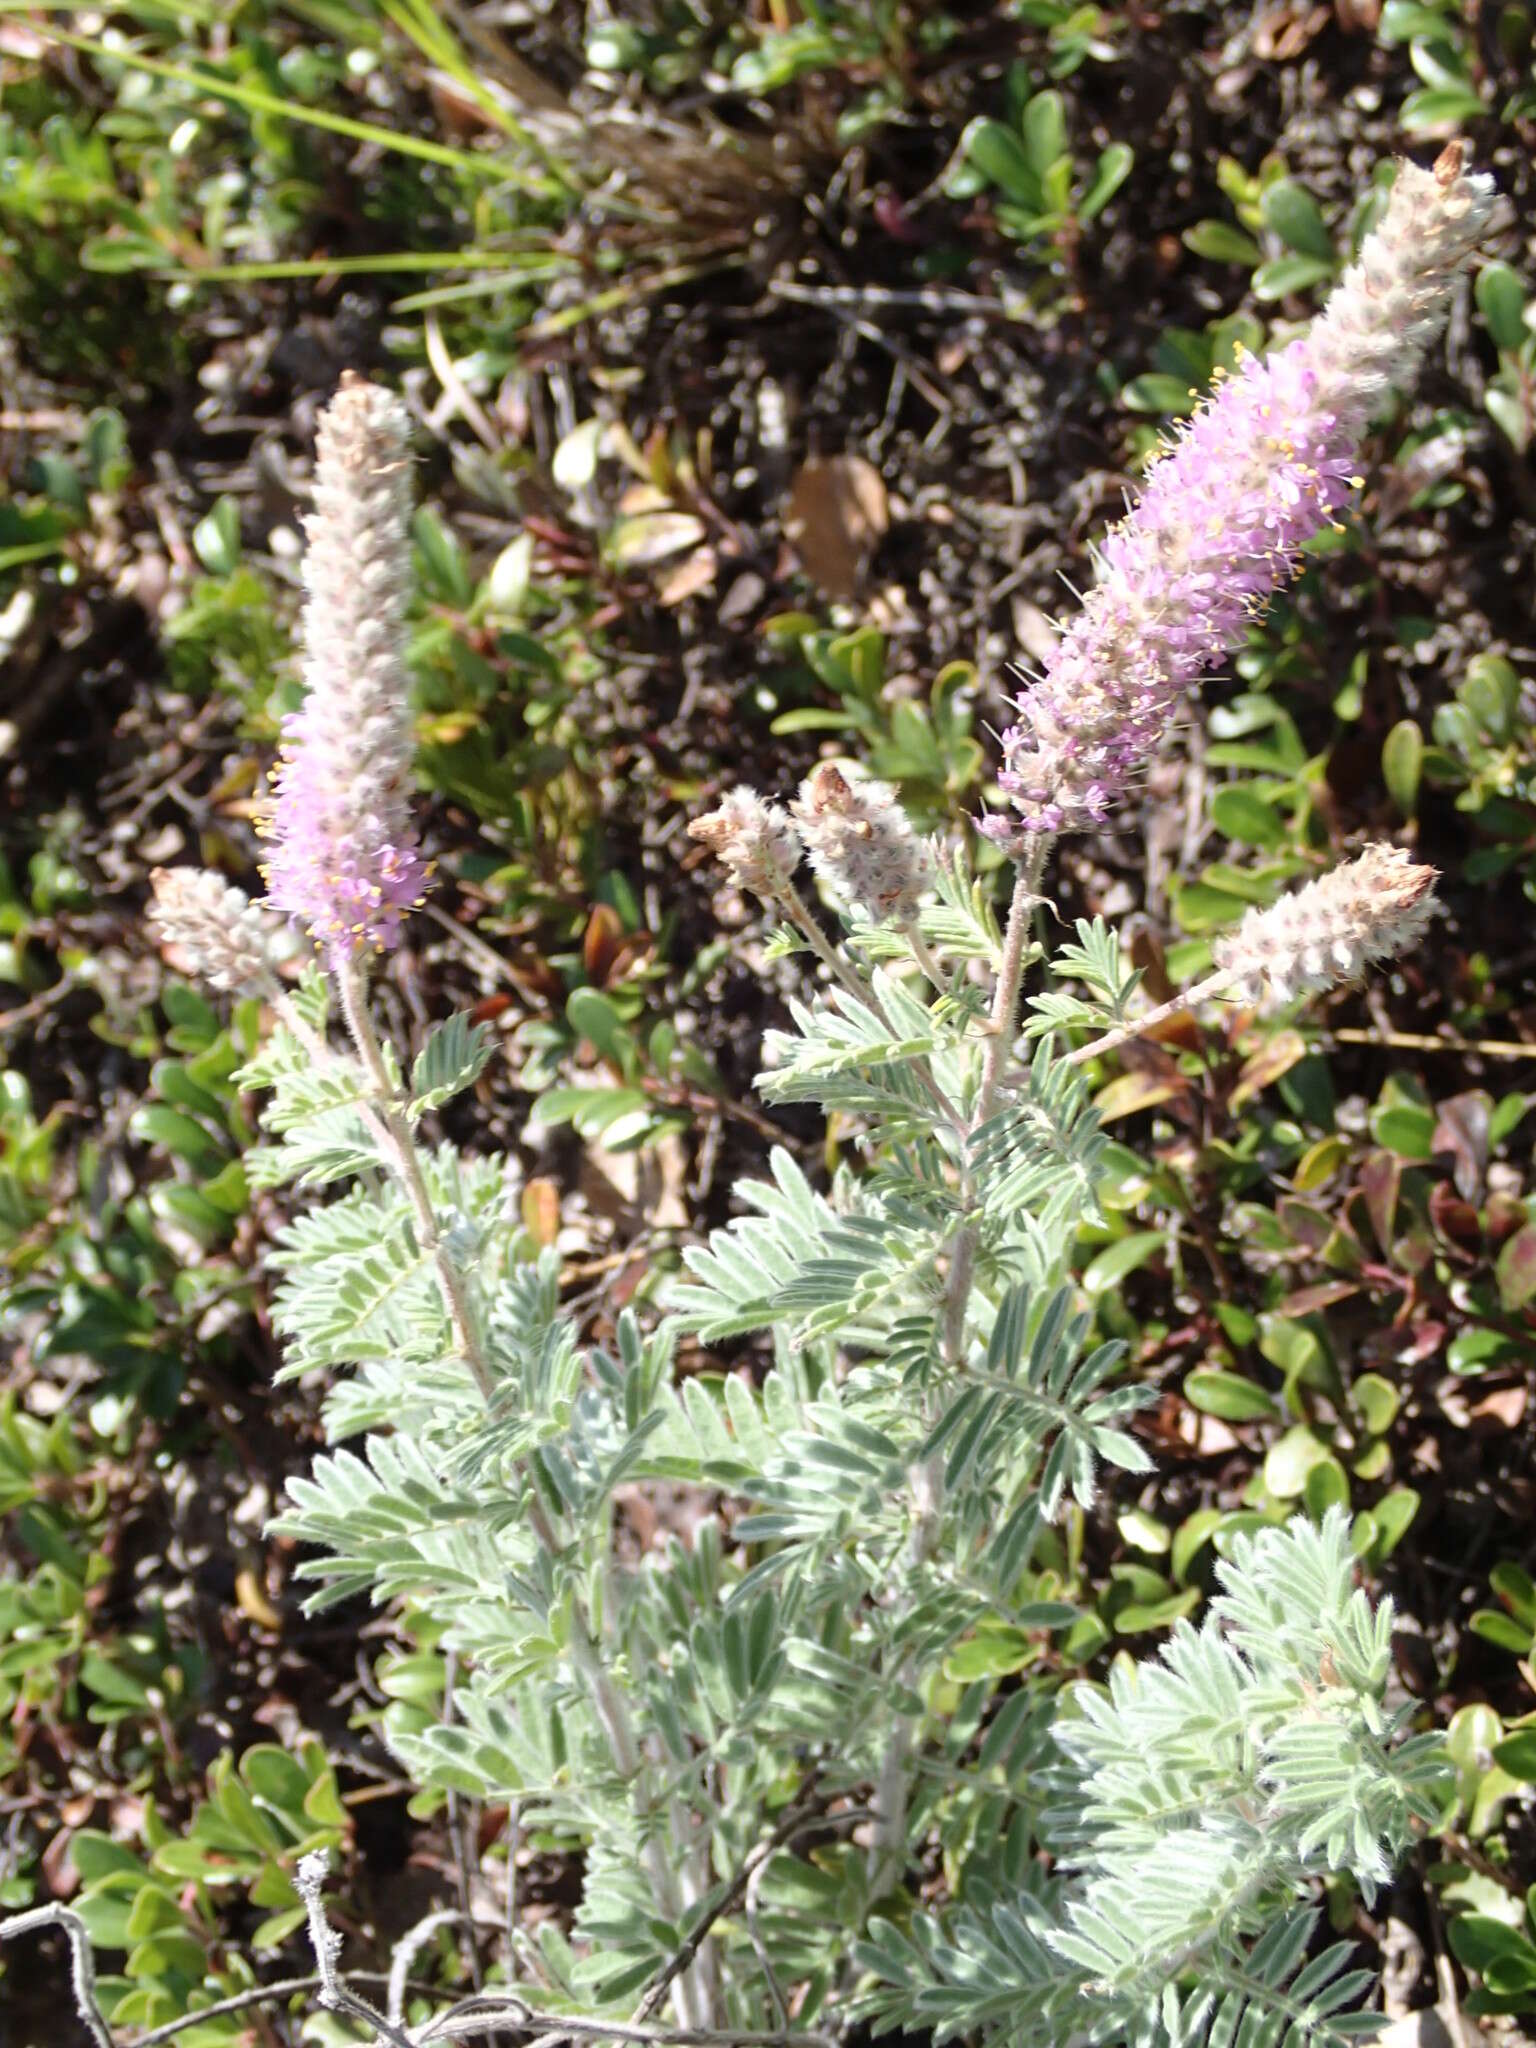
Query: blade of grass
169	12
440	49
260	102
335	18
29	551
621	294
510	261
472	288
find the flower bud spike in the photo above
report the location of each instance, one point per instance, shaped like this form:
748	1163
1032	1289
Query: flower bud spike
861	843
345	862
1369	909
754	841
220	932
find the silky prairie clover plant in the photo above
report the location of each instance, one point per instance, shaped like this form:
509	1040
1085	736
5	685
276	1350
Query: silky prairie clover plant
825	1760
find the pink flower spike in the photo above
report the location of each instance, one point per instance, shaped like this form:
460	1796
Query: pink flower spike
345	862
1260	469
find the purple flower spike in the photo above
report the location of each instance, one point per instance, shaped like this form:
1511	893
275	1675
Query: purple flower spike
1259	470
344	860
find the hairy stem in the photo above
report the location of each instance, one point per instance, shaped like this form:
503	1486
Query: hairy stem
863	991
1212	985
351	986
888	1846
1001	1028
691	1999
691	2002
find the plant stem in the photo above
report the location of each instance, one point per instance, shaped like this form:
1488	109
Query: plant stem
888	1847
691	2001
351	986
820	945
1212	985
923	955
1001	1028
690	1998
862	990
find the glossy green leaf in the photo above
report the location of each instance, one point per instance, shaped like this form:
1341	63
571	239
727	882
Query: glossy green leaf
1227	1395
1218	241
1402	765
1290	211
1501	299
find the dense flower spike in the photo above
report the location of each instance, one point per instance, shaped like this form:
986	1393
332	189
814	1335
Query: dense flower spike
1331	930
345	861
861	843
753	840
220	931
1259	470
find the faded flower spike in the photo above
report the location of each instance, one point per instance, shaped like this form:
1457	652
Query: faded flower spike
345	861
861	842
222	934
1259	470
1370	909
754	842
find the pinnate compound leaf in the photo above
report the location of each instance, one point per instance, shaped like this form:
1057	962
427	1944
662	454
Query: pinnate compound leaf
453	1058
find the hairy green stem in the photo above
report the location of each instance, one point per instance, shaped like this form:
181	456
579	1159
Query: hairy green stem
888	1847
351	986
1213	985
1001	1028
861	989
691	1998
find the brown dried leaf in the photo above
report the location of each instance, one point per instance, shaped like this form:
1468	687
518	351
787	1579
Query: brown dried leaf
1284	32
1504	1408
690	578
1268	1064
837	512
253	1602
541	1211
601	943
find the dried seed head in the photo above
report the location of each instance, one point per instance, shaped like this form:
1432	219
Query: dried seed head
861	842
217	928
753	840
1371	908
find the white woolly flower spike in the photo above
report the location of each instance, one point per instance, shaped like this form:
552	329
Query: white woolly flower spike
1370	909
220	932
861	842
753	840
345	862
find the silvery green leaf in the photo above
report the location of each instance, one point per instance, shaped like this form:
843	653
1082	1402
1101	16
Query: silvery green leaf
453	1057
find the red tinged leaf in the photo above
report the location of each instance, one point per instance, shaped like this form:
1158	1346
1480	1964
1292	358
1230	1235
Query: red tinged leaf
1381	1180
489	1008
1306	1301
1503	1215
1456	1220
1517	1269
601	944
1461	1128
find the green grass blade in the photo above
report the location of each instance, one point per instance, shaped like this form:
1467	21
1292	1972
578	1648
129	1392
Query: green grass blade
29	551
381	265
259	102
